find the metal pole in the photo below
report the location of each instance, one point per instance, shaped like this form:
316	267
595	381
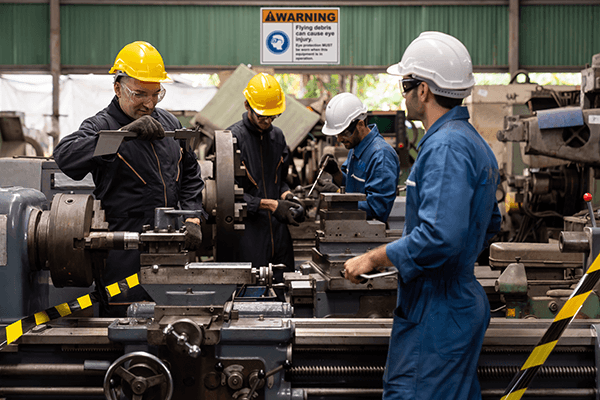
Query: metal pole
513	37
47	369
343	392
55	66
52	391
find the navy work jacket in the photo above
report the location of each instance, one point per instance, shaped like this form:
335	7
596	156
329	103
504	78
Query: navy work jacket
266	157
130	184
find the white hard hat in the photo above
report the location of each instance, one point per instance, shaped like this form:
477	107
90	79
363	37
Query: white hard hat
341	110
440	59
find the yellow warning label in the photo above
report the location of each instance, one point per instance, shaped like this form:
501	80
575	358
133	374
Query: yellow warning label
41	317
113	289
84	301
572	306
539	355
63	309
14	331
132	280
279	15
514	395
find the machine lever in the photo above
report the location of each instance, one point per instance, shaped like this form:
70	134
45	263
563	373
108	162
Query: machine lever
588	200
262	375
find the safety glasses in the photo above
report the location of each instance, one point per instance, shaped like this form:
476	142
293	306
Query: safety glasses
264	117
137	95
409	84
349	131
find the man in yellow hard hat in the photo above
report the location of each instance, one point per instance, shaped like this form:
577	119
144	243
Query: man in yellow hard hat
266	157
149	172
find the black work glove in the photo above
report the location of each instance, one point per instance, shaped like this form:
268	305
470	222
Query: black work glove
284	212
193	235
146	127
299	213
331	166
326	187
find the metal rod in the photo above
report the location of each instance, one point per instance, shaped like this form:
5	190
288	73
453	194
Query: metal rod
343	392
47	369
319	175
52	391
513	37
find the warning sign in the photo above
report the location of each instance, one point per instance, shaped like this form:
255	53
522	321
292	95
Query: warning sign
300	36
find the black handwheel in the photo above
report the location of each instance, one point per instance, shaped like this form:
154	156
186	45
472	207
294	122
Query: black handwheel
138	376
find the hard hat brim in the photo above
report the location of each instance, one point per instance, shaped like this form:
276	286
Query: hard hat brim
331	132
394	69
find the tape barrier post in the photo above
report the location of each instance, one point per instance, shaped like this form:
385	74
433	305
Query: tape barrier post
540	353
18	328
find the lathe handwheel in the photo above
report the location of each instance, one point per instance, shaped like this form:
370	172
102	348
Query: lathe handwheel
142	376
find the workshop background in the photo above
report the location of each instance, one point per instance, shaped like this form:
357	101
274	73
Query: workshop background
536	102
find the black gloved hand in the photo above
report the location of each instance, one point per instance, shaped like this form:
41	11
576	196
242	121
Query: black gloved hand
331	166
284	212
193	235
146	127
299	213
326	187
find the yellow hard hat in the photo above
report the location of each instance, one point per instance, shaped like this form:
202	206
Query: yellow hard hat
140	60
264	95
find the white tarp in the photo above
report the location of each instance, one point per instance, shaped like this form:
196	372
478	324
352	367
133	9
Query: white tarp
82	96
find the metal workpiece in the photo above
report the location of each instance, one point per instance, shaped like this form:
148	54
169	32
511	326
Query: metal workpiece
109	141
342	200
112	240
263	309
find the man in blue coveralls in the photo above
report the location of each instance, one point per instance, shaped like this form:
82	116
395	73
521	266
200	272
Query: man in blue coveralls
451	212
372	166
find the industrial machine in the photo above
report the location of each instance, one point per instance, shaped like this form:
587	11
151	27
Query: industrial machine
216	330
560	138
319	290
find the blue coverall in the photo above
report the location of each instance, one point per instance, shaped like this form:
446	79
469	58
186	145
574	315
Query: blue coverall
442	311
372	167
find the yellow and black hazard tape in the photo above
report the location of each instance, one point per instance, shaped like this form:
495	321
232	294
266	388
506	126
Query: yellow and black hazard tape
540	353
15	330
